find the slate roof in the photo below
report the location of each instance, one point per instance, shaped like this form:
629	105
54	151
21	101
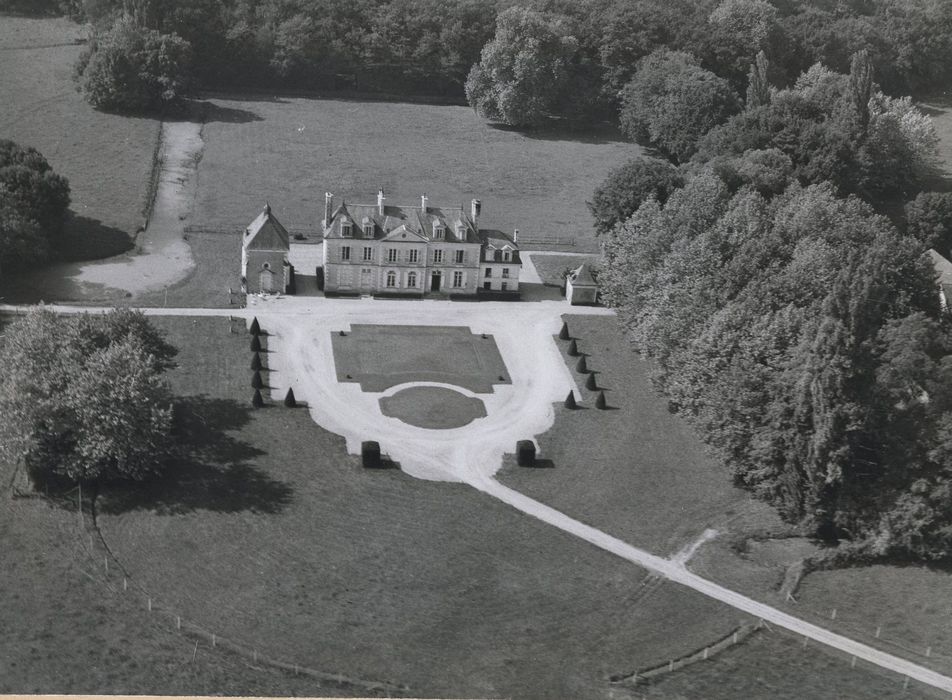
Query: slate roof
582	277
494	241
266	233
413	218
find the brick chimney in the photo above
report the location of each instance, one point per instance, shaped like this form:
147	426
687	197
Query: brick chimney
380	199
424	203
515	235
328	208
475	208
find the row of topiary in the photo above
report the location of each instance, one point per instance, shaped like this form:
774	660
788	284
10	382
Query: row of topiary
581	366
257	367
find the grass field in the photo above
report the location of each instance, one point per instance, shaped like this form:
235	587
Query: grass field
278	539
433	407
290	151
775	665
635	470
107	158
380	357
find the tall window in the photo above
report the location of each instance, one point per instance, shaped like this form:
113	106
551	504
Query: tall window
460	255
438	255
411	279
458	278
345	253
507	255
489	272
368	253
414	255
504	287
391	255
439	232
391	279
345	229
505	273
368	230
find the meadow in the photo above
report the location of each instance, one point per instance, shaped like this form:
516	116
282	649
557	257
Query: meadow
289	151
107	158
273	536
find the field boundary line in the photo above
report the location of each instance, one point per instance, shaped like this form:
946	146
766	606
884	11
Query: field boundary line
736	636
191	629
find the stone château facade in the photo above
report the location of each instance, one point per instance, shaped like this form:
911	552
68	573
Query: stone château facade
387	249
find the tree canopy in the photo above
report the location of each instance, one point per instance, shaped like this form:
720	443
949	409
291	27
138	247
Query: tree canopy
129	68
671	102
33	205
83	398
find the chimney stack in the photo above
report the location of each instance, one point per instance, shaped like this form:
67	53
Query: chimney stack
476	207
380	199
515	235
424	202
328	208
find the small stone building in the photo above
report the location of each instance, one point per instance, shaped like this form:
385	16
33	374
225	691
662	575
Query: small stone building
265	246
581	287
943	269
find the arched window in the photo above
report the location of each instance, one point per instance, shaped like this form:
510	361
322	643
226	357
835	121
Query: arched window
391	279
411	279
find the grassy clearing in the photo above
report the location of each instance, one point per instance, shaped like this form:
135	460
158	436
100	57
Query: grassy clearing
433	407
635	470
551	267
380	357
107	158
64	632
279	539
775	665
290	151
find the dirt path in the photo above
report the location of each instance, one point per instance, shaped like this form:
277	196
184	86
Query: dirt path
162	256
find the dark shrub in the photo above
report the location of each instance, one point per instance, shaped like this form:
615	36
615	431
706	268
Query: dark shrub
255	327
525	453
564	333
256	362
570	401
590	382
370	454
256	400
573	348
256	380
581	366
600	401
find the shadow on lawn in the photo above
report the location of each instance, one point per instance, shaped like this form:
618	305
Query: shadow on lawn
85	238
563	131
212	472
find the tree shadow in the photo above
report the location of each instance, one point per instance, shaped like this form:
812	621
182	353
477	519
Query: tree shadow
85	239
593	134
213	112
210	472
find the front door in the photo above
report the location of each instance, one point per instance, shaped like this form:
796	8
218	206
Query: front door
266	281
435	282
367	279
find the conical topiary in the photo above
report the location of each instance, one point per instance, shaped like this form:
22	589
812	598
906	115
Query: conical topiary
570	401
256	362
581	366
590	382
289	399
256	400
600	401
255	344
564	333
573	348
256	380
341	333
255	328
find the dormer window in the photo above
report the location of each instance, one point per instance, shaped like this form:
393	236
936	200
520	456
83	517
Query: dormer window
439	231
345	228
368	230
507	255
461	231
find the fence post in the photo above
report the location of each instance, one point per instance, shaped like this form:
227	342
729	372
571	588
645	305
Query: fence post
705	652
213	641
105	561
150	604
928	652
671	665
905	683
734	641
178	622
805	642
853	662
833	614
879	629
125	583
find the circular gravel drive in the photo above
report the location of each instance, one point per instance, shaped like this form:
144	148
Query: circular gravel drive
434	407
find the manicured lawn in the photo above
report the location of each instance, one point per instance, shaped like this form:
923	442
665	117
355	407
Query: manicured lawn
380	357
107	158
635	471
775	665
433	407
290	151
277	538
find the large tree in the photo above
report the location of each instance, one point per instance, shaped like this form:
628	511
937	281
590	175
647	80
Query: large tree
33	205
671	102
83	398
523	72
130	68
626	188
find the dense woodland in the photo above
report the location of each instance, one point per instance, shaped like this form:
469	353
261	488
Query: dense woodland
591	46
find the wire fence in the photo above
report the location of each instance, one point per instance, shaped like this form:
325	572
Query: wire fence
97	562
